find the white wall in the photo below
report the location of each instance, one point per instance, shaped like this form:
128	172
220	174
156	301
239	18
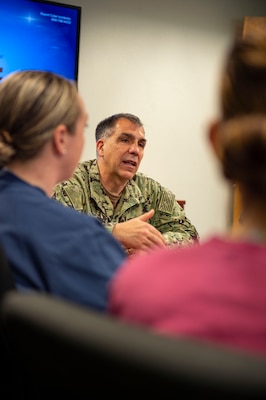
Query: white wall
161	60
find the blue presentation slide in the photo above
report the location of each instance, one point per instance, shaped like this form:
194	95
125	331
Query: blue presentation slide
38	35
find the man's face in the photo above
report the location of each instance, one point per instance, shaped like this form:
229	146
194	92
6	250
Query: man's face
121	153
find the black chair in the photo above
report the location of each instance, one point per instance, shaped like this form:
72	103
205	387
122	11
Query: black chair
6	276
77	353
8	375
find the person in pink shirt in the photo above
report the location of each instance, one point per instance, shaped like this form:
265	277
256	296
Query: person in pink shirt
215	292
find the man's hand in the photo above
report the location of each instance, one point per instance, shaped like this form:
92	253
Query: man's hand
138	235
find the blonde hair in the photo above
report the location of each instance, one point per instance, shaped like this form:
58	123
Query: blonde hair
32	105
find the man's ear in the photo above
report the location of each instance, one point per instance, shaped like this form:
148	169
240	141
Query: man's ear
214	138
61	137
99	147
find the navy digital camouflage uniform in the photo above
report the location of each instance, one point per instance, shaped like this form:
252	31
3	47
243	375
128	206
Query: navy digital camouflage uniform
84	192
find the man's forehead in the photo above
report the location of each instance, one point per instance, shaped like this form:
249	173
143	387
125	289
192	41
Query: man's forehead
124	125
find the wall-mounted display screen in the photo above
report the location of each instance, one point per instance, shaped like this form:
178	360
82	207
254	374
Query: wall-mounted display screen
39	35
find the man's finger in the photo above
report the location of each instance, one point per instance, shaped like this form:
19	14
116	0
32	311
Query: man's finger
148	215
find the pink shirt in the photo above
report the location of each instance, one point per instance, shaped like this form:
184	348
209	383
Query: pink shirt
214	292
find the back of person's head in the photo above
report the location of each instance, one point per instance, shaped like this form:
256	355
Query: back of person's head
243	143
243	89
32	105
105	128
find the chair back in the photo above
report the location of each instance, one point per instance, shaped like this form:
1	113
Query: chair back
8	378
67	348
6	276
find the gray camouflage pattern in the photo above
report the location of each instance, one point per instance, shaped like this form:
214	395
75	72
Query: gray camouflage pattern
85	193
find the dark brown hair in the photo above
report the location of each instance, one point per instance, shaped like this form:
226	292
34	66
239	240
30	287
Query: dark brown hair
244	154
105	127
243	87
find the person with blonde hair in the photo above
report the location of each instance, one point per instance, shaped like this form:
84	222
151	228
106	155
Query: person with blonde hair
50	248
215	292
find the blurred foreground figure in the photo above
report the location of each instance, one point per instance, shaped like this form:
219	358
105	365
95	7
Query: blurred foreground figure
51	248
215	292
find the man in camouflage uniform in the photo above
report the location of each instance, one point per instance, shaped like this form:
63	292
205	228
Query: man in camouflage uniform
122	199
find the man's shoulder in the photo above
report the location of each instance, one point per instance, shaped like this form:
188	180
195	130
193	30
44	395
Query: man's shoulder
150	187
86	167
77	182
84	170
142	179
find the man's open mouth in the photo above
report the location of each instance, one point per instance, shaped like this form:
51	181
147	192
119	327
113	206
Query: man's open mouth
130	162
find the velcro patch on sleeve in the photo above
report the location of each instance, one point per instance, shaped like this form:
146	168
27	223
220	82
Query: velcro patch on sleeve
74	197
167	202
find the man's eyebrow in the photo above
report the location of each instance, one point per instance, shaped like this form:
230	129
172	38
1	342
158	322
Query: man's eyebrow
131	136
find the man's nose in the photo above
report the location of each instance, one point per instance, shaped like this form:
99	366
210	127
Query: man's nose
134	148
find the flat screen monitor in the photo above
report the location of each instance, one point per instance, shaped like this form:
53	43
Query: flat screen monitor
39	35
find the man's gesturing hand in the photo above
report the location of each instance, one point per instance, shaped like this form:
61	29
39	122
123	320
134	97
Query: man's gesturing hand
138	235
